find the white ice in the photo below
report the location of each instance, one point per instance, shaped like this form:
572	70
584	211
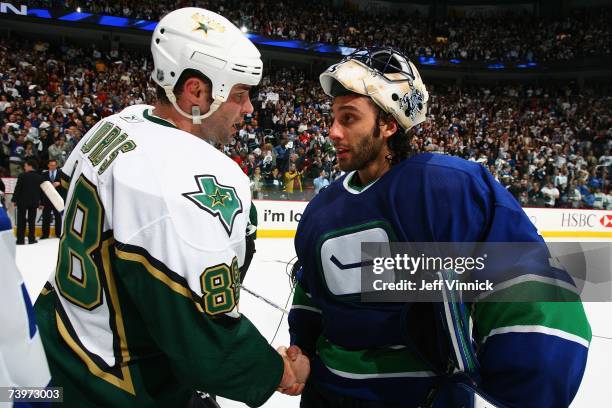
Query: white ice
267	277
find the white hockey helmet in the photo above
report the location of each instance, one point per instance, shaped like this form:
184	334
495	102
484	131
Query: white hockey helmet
195	38
386	76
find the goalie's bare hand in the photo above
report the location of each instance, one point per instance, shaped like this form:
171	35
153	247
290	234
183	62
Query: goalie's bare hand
297	370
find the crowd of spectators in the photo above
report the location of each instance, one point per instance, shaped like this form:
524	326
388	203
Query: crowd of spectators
491	38
50	98
549	145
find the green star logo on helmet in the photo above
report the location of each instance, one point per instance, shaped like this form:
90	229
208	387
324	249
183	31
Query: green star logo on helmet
216	199
206	23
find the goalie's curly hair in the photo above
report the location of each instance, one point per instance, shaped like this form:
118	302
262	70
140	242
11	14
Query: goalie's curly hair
398	143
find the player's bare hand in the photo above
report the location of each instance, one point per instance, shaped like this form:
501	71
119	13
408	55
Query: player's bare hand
301	368
295	389
293	352
288	375
297	370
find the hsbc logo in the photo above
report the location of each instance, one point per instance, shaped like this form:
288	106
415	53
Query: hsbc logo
606	220
580	220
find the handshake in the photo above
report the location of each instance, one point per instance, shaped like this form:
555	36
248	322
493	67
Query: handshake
297	369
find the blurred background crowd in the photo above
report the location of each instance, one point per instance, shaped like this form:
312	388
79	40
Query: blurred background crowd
511	36
548	142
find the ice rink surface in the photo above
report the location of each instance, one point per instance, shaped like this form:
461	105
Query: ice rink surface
267	277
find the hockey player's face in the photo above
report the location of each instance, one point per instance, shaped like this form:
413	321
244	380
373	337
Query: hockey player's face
355	133
220	126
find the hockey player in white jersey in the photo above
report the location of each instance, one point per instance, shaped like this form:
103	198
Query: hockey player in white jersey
22	359
143	308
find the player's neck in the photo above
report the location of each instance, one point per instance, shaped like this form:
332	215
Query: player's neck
373	171
169	114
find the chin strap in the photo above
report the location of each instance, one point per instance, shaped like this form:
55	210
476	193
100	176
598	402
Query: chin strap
195	118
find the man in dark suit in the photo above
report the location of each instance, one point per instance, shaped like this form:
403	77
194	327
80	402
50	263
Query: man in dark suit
51	175
26	198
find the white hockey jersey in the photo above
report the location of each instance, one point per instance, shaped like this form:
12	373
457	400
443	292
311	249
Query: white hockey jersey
148	265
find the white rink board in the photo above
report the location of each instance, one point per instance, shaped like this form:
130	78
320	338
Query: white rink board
280	219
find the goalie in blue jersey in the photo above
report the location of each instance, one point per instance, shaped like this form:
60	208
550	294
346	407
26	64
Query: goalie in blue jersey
527	354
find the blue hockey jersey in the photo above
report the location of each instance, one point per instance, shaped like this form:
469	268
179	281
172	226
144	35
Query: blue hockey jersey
530	354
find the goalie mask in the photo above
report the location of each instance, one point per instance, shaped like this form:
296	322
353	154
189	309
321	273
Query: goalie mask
195	38
386	76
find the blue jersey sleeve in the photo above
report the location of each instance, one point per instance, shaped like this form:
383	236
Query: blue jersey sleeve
532	354
304	318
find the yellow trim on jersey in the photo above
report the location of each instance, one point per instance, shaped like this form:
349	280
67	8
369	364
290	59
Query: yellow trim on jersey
157	274
114	299
64	183
68	226
68	229
125	384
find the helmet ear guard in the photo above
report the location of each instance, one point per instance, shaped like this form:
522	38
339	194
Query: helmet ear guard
386	76
195	113
198	39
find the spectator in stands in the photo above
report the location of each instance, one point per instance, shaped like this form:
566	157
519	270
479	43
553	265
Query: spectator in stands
274	180
257	182
574	197
28	151
473	37
600	200
321	182
536	199
282	159
551	194
293	180
557	132
58	151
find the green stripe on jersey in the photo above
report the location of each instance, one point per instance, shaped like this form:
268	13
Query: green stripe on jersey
148	114
563	316
383	362
301	298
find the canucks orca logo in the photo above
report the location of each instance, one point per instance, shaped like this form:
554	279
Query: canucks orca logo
217	199
411	103
340	256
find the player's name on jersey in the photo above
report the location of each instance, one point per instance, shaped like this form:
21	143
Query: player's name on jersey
105	145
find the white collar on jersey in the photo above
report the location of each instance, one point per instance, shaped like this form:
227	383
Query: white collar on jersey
355	189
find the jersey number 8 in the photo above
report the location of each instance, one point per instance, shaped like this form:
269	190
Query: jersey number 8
79	261
220	286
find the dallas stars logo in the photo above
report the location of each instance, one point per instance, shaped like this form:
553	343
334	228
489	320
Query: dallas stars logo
217	200
205	23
